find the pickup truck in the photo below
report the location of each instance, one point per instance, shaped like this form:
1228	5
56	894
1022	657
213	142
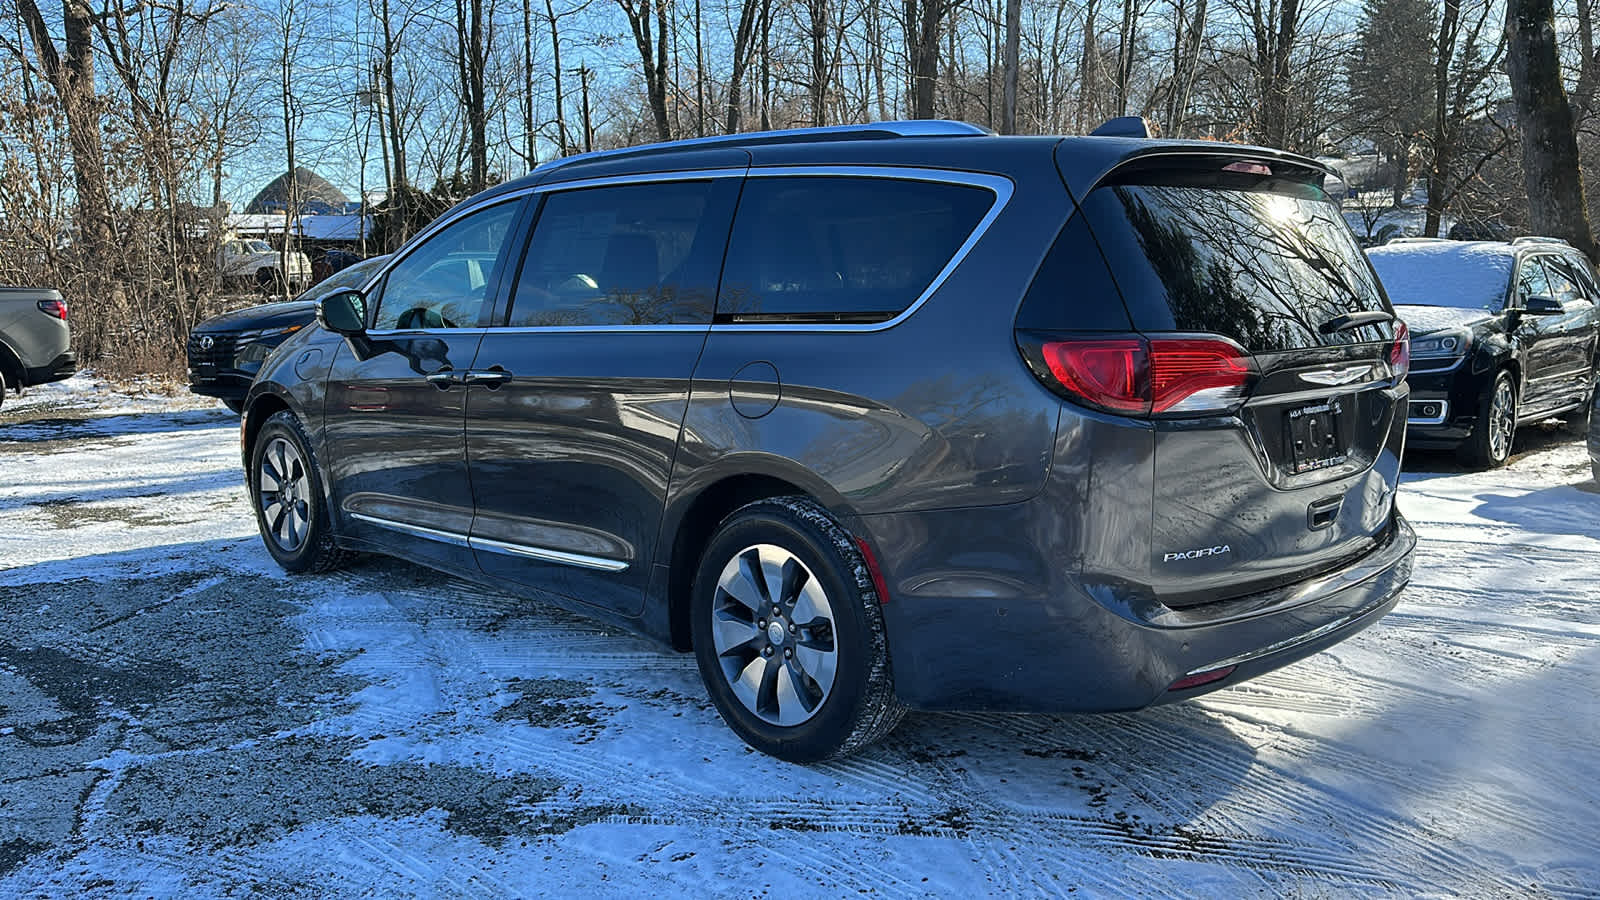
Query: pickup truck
253	262
35	341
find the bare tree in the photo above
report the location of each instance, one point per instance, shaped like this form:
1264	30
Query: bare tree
1549	140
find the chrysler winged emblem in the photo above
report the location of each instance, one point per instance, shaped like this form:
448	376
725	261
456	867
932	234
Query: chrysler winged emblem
1336	377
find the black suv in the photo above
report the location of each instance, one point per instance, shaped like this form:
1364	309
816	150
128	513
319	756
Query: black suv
1502	335
226	351
875	417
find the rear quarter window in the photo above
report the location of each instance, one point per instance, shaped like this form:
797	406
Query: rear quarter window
842	249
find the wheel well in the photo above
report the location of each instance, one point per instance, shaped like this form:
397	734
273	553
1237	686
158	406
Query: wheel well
265	406
11	366
694	531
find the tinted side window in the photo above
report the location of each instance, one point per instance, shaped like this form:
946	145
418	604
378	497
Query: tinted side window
842	249
446	282
1564	284
1073	290
1532	281
644	254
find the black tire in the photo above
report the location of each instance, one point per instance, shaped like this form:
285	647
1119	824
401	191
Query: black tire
290	509
1492	438
858	706
236	406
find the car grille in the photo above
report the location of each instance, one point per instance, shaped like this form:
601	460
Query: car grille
219	354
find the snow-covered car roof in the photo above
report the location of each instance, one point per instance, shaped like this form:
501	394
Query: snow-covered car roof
1462	274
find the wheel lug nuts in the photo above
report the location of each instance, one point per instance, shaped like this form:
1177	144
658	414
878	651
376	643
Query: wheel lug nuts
791	628
766	651
761	623
787	653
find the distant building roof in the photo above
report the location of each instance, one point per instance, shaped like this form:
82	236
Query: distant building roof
316	228
313	193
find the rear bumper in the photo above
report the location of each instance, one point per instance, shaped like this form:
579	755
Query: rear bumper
62	367
1107	647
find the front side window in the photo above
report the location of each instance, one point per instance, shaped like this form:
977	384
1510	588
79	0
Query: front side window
643	254
842	249
1532	281
447	282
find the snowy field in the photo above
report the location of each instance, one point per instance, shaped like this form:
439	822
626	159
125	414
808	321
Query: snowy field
178	718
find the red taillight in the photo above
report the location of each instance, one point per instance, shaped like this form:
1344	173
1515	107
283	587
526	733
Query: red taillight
1110	373
1140	375
1196	374
1400	351
55	308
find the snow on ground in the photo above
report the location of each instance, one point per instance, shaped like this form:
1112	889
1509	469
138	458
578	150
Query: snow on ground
177	717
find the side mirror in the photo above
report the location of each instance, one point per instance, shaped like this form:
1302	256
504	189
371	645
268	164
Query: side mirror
344	312
1540	305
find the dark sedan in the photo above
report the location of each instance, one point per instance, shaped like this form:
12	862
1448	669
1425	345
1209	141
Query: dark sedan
1502	335
226	351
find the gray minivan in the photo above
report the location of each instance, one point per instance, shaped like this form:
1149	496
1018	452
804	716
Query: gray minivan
905	415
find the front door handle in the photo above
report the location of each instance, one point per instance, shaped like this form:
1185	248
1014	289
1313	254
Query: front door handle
444	378
490	378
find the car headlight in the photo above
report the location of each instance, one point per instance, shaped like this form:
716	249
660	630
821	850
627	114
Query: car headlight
254	347
1442	345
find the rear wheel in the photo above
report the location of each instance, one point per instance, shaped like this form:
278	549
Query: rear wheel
1490	445
286	485
789	635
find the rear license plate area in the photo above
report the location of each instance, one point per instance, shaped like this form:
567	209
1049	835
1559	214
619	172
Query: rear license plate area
1313	437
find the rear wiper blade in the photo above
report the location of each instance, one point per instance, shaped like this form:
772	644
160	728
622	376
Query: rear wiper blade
1355	320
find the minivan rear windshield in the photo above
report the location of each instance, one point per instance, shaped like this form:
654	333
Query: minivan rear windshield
1265	261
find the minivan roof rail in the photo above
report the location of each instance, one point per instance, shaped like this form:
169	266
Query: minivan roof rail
1539	239
868	131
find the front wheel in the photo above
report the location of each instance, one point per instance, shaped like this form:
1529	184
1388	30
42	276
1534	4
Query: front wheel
789	635
286	485
1490	445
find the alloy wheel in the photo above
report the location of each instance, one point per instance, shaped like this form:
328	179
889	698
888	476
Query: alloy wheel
283	490
1502	419
773	630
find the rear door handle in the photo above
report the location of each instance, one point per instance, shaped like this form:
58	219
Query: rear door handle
490	378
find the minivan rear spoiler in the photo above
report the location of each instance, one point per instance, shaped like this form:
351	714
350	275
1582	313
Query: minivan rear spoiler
1084	162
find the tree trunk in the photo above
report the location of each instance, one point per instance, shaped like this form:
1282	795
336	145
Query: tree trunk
1549	141
1088	112
1010	63
1443	132
922	49
72	76
555	60
749	11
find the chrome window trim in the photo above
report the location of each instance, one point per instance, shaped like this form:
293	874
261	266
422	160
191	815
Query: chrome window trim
447	537
1001	186
1444	413
544	554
